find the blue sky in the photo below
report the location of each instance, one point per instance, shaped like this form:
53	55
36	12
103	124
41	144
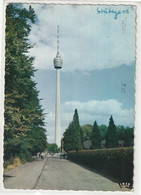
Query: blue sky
97	45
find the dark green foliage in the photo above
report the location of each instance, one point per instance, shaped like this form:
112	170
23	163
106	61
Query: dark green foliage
103	131
78	129
73	136
53	148
120	132
117	163
126	134
96	137
123	133
87	131
24	132
37	140
129	137
111	136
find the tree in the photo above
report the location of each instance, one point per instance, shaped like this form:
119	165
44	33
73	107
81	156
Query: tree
87	131
73	136
103	131
78	127
70	138
96	137
53	148
129	136
121	132
111	136
24	117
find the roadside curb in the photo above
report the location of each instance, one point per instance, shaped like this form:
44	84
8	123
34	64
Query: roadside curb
40	174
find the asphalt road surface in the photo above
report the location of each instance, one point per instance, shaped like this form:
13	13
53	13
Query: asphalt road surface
54	173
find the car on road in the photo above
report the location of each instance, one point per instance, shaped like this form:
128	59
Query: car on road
63	155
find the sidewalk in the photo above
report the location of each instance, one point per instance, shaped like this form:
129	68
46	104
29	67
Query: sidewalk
24	176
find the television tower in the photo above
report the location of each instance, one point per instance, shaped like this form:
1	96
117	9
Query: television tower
57	65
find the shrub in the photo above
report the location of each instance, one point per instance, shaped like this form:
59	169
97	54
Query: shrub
117	162
12	163
25	157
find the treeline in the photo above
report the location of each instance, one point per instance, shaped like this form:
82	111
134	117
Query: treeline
123	133
24	130
75	135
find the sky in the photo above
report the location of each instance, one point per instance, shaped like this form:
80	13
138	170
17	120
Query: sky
97	46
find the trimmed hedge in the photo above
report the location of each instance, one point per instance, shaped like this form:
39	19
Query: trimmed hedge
115	162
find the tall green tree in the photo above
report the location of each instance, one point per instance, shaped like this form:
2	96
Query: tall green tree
129	137
120	132
73	136
77	126
111	136
87	131
96	137
24	117
103	130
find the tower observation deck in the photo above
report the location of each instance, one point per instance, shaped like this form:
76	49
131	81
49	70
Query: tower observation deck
57	60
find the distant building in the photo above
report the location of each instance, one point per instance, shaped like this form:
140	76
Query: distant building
121	143
103	143
87	144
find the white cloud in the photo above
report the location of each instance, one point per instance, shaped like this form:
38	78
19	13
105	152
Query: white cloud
89	112
87	41
100	111
43	56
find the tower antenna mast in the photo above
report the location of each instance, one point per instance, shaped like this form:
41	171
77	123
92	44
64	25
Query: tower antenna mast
57	39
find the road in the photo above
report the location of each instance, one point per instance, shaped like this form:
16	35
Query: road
57	174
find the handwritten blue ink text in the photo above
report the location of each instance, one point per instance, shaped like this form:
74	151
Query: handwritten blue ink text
112	11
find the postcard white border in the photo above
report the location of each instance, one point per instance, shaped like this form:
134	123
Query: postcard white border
137	146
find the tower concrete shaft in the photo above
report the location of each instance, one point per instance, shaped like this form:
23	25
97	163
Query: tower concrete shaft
57	65
57	111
